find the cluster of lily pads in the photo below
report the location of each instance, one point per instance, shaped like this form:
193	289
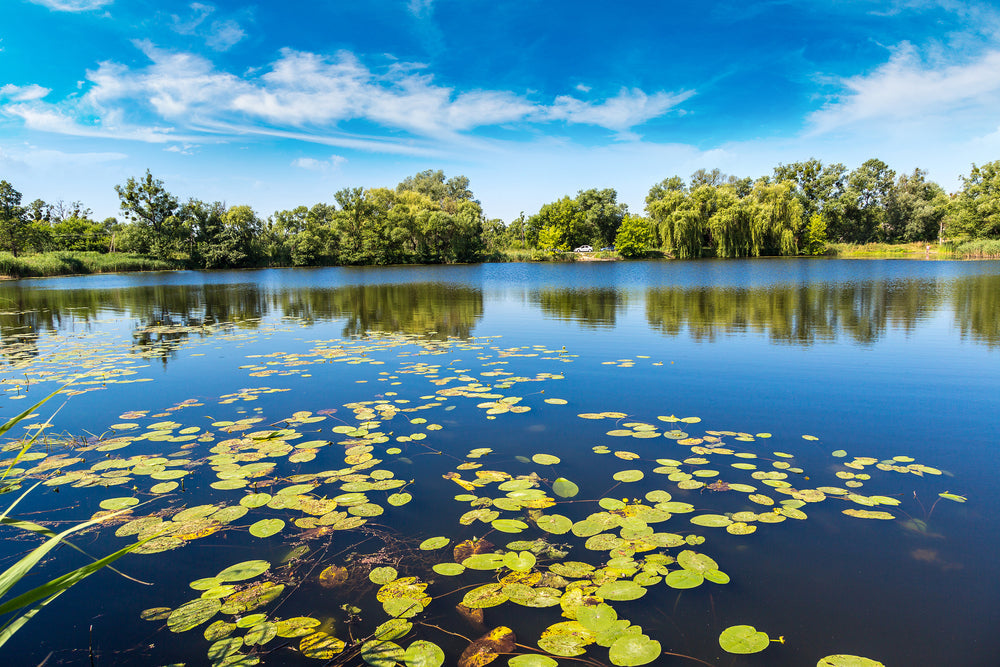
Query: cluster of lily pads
312	476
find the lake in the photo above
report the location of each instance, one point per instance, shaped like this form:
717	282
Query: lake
697	445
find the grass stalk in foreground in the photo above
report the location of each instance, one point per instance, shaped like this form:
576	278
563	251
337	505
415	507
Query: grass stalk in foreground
27	604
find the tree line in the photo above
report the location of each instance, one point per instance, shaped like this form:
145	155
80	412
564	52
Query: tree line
428	218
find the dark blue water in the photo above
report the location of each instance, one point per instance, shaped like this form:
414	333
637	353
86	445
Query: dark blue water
878	358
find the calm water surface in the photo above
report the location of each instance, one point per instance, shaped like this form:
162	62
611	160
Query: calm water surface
880	359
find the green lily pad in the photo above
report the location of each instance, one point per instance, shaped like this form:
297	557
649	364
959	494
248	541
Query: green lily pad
743	639
383	575
114	504
634	650
628	476
192	614
432	543
621	590
448	569
519	562
532	660
248	569
683	579
557	524
489	595
509	525
564	488
545	459
844	660
267	527
422	653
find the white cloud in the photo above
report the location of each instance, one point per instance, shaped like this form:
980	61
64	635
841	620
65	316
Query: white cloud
628	109
907	89
72	5
220	35
312	164
421	8
23	93
225	35
309	96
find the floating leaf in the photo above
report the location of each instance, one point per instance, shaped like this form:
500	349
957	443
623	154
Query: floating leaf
509	525
422	653
448	569
488	648
532	660
115	504
743	639
432	543
267	527
321	646
843	660
564	488
683	579
946	495
634	650
557	524
621	590
566	639
383	575
248	569
192	614
519	562
545	459
711	520
628	476
489	595
299	626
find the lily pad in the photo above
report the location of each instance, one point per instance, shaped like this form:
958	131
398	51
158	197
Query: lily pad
267	527
743	639
634	650
844	660
422	653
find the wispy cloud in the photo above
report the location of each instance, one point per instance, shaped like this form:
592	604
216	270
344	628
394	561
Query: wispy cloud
907	89
23	93
72	5
219	35
306	95
312	164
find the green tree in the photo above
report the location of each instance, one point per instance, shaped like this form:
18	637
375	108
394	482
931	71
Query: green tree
602	214
153	211
566	217
16	230
976	209
917	207
635	236
815	240
550	239
864	204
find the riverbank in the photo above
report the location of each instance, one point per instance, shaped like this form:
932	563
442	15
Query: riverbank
65	263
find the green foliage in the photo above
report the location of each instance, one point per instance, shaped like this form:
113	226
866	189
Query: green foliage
75	263
16	230
815	240
979	248
976	210
635	236
153	212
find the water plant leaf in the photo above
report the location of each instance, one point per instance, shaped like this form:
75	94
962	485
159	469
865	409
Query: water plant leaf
248	569
557	524
597	618
545	459
488	648
564	488
519	562
844	660
298	626
321	646
532	660
383	575
422	653
118	503
448	569
683	579
567	638
432	543
267	527
509	525
952	496
489	595
192	614
634	650
621	590
743	639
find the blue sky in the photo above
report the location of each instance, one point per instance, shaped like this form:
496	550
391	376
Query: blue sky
278	104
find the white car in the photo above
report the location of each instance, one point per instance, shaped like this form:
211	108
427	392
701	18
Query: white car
584	248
